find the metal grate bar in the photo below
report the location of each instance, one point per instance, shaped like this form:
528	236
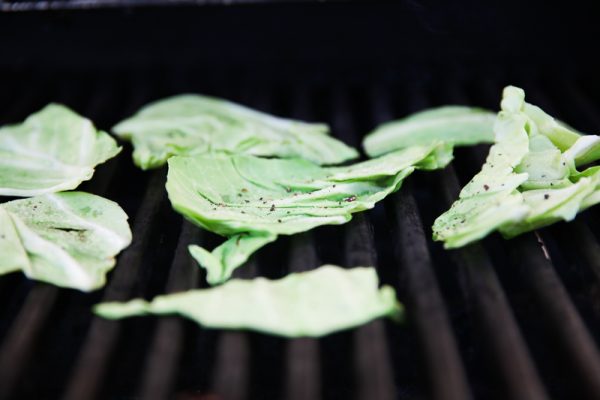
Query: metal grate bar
372	361
446	373
166	348
303	380
493	311
18	346
562	317
103	334
373	369
424	303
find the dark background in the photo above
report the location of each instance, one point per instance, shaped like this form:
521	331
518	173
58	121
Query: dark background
318	40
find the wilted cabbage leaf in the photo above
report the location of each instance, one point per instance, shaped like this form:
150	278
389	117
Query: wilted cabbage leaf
313	303
194	124
54	149
457	125
69	239
251	200
529	180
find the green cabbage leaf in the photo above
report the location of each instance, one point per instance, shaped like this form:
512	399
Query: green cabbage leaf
69	239
530	178
456	125
251	200
53	150
313	303
194	124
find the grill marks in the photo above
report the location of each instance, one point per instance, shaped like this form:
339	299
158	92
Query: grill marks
355	363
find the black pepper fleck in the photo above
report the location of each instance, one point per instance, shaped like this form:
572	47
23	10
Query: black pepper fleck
486	187
272	207
546	196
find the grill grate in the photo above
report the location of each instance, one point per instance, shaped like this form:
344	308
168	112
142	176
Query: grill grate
494	320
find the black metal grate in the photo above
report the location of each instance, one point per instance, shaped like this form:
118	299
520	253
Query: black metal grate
495	320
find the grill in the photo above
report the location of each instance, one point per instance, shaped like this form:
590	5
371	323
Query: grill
516	319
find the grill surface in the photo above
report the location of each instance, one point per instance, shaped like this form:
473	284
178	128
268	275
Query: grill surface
495	320
515	319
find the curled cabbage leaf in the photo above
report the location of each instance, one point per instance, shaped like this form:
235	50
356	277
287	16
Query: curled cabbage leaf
53	150
194	124
529	180
313	303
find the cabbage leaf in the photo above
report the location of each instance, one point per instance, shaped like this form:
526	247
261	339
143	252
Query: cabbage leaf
457	125
313	303
529	180
53	150
69	239
251	200
194	124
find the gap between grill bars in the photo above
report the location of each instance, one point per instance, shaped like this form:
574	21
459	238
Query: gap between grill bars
475	317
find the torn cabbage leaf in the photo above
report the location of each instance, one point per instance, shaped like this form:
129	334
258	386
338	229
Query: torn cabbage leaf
457	125
69	239
251	200
313	303
529	180
193	124
53	150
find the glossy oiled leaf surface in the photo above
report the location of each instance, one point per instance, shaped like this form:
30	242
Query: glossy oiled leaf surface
456	125
251	200
194	124
530	178
52	150
313	303
69	239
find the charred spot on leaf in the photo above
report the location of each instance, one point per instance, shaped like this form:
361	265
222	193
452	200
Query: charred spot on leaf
272	208
68	230
486	187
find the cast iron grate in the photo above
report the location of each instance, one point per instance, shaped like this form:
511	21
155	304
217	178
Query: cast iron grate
495	320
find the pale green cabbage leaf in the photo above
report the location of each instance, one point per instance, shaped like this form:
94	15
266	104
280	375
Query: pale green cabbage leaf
53	150
529	180
194	124
313	303
69	239
251	200
457	125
